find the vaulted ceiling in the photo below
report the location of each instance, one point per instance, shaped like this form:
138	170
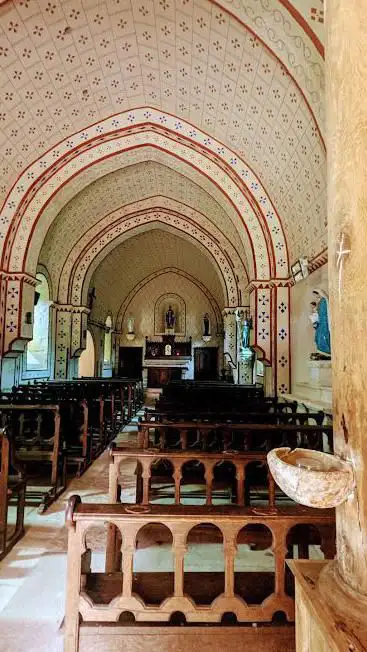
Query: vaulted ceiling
141	257
122	189
248	74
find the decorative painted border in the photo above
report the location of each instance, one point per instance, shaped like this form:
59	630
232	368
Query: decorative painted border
120	225
91	258
180	139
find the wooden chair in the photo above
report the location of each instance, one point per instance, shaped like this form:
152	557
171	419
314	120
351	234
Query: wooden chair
12	493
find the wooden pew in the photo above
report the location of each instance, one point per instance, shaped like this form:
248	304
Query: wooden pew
146	459
99	603
35	433
75	435
225	435
92	412
12	492
301	418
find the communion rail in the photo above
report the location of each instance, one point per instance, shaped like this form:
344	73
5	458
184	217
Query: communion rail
224	435
105	600
177	459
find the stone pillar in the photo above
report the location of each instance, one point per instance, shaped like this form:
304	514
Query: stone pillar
230	340
347	223
70	339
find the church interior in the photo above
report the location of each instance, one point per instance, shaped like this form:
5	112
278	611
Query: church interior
182	325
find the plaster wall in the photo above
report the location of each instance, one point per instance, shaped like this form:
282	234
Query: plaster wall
87	358
302	334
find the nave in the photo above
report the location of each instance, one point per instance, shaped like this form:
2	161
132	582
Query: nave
183	194
41	553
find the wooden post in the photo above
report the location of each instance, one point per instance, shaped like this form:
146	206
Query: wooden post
71	639
347	223
240	476
179	552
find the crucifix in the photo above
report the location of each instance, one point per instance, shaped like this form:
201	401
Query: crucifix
342	251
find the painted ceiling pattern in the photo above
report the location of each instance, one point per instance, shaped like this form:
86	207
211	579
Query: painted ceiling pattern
114	280
68	64
123	188
80	279
24	210
98	242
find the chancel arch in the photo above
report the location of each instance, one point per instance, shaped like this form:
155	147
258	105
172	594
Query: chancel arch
123	221
143	223
123	312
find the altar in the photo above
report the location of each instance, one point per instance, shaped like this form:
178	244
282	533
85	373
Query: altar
157	377
157	373
165	360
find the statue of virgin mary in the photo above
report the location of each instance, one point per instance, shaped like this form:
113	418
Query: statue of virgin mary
321	324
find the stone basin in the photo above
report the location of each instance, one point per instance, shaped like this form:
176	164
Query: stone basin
312	478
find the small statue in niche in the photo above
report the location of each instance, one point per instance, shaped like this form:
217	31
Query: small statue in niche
168	349
170	318
206	324
245	326
320	322
91	298
130	324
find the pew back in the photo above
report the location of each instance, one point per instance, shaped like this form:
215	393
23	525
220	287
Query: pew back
105	598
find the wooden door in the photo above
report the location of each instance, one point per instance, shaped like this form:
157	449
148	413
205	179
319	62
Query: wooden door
206	363
131	361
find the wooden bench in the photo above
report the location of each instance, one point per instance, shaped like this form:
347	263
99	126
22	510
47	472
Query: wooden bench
98	603
146	459
75	432
12	493
35	434
217	396
227	435
299	418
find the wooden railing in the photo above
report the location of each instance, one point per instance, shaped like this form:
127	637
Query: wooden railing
225	435
146	459
275	417
104	598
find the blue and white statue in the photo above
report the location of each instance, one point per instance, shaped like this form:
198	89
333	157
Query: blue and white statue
321	324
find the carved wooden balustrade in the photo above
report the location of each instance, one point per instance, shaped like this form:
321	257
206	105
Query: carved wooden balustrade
105	597
227	435
146	459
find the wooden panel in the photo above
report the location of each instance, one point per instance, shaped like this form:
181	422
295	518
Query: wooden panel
320	627
181	639
160	376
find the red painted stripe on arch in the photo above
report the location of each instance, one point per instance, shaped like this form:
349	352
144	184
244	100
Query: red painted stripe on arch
140	211
133	147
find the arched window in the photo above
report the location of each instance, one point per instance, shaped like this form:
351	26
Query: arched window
37	348
107	349
87	358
